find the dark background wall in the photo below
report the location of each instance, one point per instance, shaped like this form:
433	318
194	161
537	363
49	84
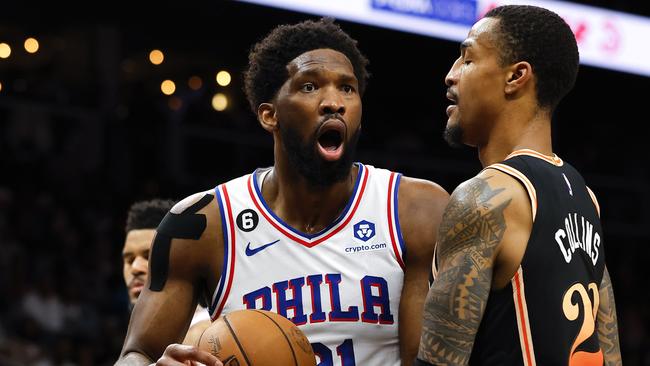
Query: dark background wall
85	131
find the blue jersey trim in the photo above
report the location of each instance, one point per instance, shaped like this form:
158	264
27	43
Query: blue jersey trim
226	247
400	240
297	232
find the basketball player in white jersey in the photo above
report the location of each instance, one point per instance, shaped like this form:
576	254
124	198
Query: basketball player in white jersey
342	249
142	219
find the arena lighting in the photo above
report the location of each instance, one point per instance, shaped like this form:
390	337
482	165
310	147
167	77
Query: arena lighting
195	82
156	57
5	50
31	45
219	102
606	38
175	103
168	87
223	78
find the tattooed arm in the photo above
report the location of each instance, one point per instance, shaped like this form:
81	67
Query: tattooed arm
481	215
607	324
186	247
421	204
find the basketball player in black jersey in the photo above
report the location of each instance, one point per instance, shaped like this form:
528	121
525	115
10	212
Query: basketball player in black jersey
305	83
520	275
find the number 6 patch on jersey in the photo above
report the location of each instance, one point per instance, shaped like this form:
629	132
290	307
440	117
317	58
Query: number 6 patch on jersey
247	220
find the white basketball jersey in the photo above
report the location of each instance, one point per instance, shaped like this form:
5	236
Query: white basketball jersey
341	286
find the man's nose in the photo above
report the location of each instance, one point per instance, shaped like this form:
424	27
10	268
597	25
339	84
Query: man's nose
332	102
140	265
452	75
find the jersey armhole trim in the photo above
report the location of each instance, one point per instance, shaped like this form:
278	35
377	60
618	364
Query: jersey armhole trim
593	198
393	219
523	323
228	268
532	193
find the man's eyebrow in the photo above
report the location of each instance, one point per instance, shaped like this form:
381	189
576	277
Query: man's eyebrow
314	72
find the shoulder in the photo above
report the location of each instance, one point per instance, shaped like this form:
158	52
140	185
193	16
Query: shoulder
193	219
481	209
193	202
487	190
187	242
505	186
199	202
421	193
421	204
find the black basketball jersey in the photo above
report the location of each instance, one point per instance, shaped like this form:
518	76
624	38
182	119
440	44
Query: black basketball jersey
546	315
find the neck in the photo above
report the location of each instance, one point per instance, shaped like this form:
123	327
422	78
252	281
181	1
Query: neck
516	133
304	207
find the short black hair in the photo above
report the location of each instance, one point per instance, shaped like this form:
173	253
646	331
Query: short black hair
268	59
543	39
147	214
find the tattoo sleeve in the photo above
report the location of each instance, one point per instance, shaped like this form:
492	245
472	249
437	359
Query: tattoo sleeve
472	227
607	324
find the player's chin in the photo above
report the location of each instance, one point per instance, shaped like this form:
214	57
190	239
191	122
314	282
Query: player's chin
135	292
452	120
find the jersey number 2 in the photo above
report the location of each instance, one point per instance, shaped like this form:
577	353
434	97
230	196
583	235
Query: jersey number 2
344	350
589	311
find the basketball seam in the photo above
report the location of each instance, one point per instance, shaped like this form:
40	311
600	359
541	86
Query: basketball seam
234	336
198	342
293	352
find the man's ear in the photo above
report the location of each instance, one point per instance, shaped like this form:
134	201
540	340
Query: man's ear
267	117
519	76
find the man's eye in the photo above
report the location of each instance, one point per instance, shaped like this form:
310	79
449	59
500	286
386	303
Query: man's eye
348	88
308	87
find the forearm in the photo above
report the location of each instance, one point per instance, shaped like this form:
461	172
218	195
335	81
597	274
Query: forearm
410	338
471	230
449	327
410	322
134	359
608	324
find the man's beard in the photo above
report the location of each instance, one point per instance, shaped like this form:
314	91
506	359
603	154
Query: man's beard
453	135
304	157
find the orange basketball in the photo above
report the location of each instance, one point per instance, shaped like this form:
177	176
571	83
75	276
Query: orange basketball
257	337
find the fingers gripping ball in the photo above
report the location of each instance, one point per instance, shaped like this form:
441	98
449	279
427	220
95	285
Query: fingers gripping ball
257	337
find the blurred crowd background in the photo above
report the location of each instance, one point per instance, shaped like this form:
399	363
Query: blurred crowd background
85	131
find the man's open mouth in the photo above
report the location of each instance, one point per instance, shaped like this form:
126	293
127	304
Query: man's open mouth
330	139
